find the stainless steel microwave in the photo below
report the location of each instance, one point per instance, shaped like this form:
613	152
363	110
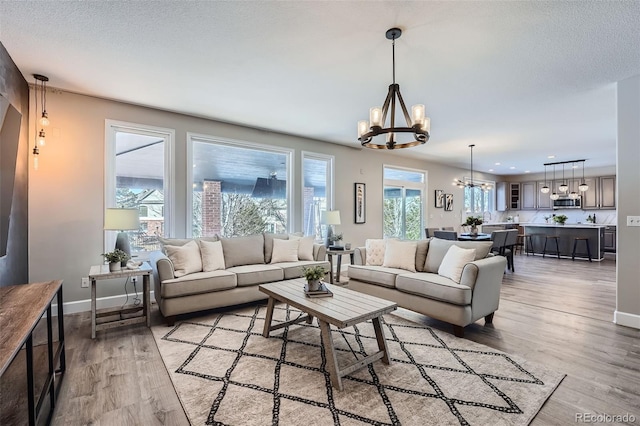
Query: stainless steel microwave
568	203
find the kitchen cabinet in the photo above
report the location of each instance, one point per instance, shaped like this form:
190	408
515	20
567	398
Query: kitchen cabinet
529	198
610	238
608	192
590	198
514	196
544	200
501	196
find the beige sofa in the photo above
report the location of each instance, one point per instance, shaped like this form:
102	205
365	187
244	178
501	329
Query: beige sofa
192	275
476	295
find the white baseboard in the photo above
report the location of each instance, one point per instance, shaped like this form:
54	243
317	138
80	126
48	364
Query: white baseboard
626	319
101	302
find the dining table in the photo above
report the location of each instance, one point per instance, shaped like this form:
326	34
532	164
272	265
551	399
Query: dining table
478	237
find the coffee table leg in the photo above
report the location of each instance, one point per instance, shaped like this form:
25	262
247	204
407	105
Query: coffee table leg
268	316
330	352
382	343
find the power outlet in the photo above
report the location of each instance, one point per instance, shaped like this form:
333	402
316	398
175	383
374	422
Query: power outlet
85	282
633	220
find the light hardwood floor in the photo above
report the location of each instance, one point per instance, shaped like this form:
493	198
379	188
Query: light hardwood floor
555	312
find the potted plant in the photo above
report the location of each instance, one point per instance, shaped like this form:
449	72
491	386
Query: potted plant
115	259
560	219
335	240
473	222
314	276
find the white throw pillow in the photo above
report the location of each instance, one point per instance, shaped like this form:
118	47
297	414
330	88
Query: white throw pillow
375	252
285	251
186	259
305	248
212	255
400	254
454	261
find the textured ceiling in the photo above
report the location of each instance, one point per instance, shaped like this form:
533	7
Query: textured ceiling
521	80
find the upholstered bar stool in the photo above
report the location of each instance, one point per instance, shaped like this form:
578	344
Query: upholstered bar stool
546	239
575	243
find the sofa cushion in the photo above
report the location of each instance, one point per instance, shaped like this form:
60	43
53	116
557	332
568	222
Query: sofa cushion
434	286
454	261
374	249
305	248
212	255
421	254
186	258
268	244
294	269
243	250
182	241
285	251
438	249
197	283
379	275
400	254
256	274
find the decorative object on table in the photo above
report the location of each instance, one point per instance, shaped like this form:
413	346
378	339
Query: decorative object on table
473	222
347	246
448	202
416	124
439	198
115	259
469	183
133	264
330	218
591	219
122	220
560	219
360	202
314	276
546	219
335	243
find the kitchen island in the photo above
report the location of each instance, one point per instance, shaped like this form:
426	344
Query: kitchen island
566	236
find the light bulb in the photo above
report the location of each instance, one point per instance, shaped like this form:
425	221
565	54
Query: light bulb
363	126
41	140
554	196
375	117
44	120
583	187
544	189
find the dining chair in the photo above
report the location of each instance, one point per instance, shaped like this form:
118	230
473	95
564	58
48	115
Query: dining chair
511	239
428	232
446	235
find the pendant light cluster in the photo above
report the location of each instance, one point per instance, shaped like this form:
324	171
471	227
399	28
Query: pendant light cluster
563	188
43	121
416	123
462	183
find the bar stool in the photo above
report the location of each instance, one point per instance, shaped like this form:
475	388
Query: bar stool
524	240
575	243
547	238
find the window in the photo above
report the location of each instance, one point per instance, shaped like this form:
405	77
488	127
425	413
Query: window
138	174
477	201
317	191
403	203
238	188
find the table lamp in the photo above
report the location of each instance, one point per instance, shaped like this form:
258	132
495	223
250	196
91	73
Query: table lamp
330	218
122	220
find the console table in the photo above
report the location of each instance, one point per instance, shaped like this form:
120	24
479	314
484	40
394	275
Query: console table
21	307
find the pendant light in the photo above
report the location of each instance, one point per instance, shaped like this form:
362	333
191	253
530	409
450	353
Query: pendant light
554	195
583	186
44	120
573	194
462	183
545	188
563	187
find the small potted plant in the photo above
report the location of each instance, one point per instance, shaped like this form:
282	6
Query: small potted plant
115	259
473	222
335	241
560	219
314	276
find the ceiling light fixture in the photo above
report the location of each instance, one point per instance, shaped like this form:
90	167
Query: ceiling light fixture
583	185
554	195
563	186
44	119
545	188
573	194
470	183
417	123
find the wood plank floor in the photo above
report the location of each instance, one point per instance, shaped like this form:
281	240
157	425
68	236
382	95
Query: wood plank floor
555	312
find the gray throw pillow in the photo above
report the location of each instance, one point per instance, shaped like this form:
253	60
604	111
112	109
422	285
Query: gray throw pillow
438	249
243	250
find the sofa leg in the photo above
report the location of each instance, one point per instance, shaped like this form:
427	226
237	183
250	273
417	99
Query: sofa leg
458	331
489	318
170	320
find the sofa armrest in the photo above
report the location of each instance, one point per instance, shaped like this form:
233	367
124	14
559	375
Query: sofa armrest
319	251
359	256
162	266
486	290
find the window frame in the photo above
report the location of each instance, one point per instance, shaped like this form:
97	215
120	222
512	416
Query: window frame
491	197
423	186
330	185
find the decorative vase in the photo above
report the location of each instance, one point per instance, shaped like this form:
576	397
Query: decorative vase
114	267
314	285
474	231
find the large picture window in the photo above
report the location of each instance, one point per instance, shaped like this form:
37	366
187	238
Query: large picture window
477	201
403	203
317	191
138	174
238	188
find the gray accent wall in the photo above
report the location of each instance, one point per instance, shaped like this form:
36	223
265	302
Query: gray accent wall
14	261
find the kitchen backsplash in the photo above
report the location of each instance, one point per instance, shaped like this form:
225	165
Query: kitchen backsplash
603	217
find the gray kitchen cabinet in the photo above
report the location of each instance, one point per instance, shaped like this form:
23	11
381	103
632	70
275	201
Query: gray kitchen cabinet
514	196
528	196
501	196
591	197
608	192
610	238
544	200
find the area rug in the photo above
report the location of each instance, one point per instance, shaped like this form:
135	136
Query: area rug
226	373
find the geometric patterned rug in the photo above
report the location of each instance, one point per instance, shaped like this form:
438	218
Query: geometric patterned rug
226	373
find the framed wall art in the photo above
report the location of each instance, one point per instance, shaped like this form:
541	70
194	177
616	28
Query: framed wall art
448	202
439	199
360	199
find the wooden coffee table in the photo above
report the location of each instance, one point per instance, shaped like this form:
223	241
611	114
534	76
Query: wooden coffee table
345	309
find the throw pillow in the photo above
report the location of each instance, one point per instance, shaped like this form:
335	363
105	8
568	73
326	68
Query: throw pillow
305	249
243	250
454	261
375	252
212	255
268	244
400	254
285	251
186	258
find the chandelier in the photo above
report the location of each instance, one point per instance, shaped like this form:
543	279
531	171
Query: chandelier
470	183
416	123
582	187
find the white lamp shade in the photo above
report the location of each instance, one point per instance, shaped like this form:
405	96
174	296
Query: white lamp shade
363	127
375	116
417	114
121	219
331	217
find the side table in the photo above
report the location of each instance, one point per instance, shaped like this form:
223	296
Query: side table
339	254
101	272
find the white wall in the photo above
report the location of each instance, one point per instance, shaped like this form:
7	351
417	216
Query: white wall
66	200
